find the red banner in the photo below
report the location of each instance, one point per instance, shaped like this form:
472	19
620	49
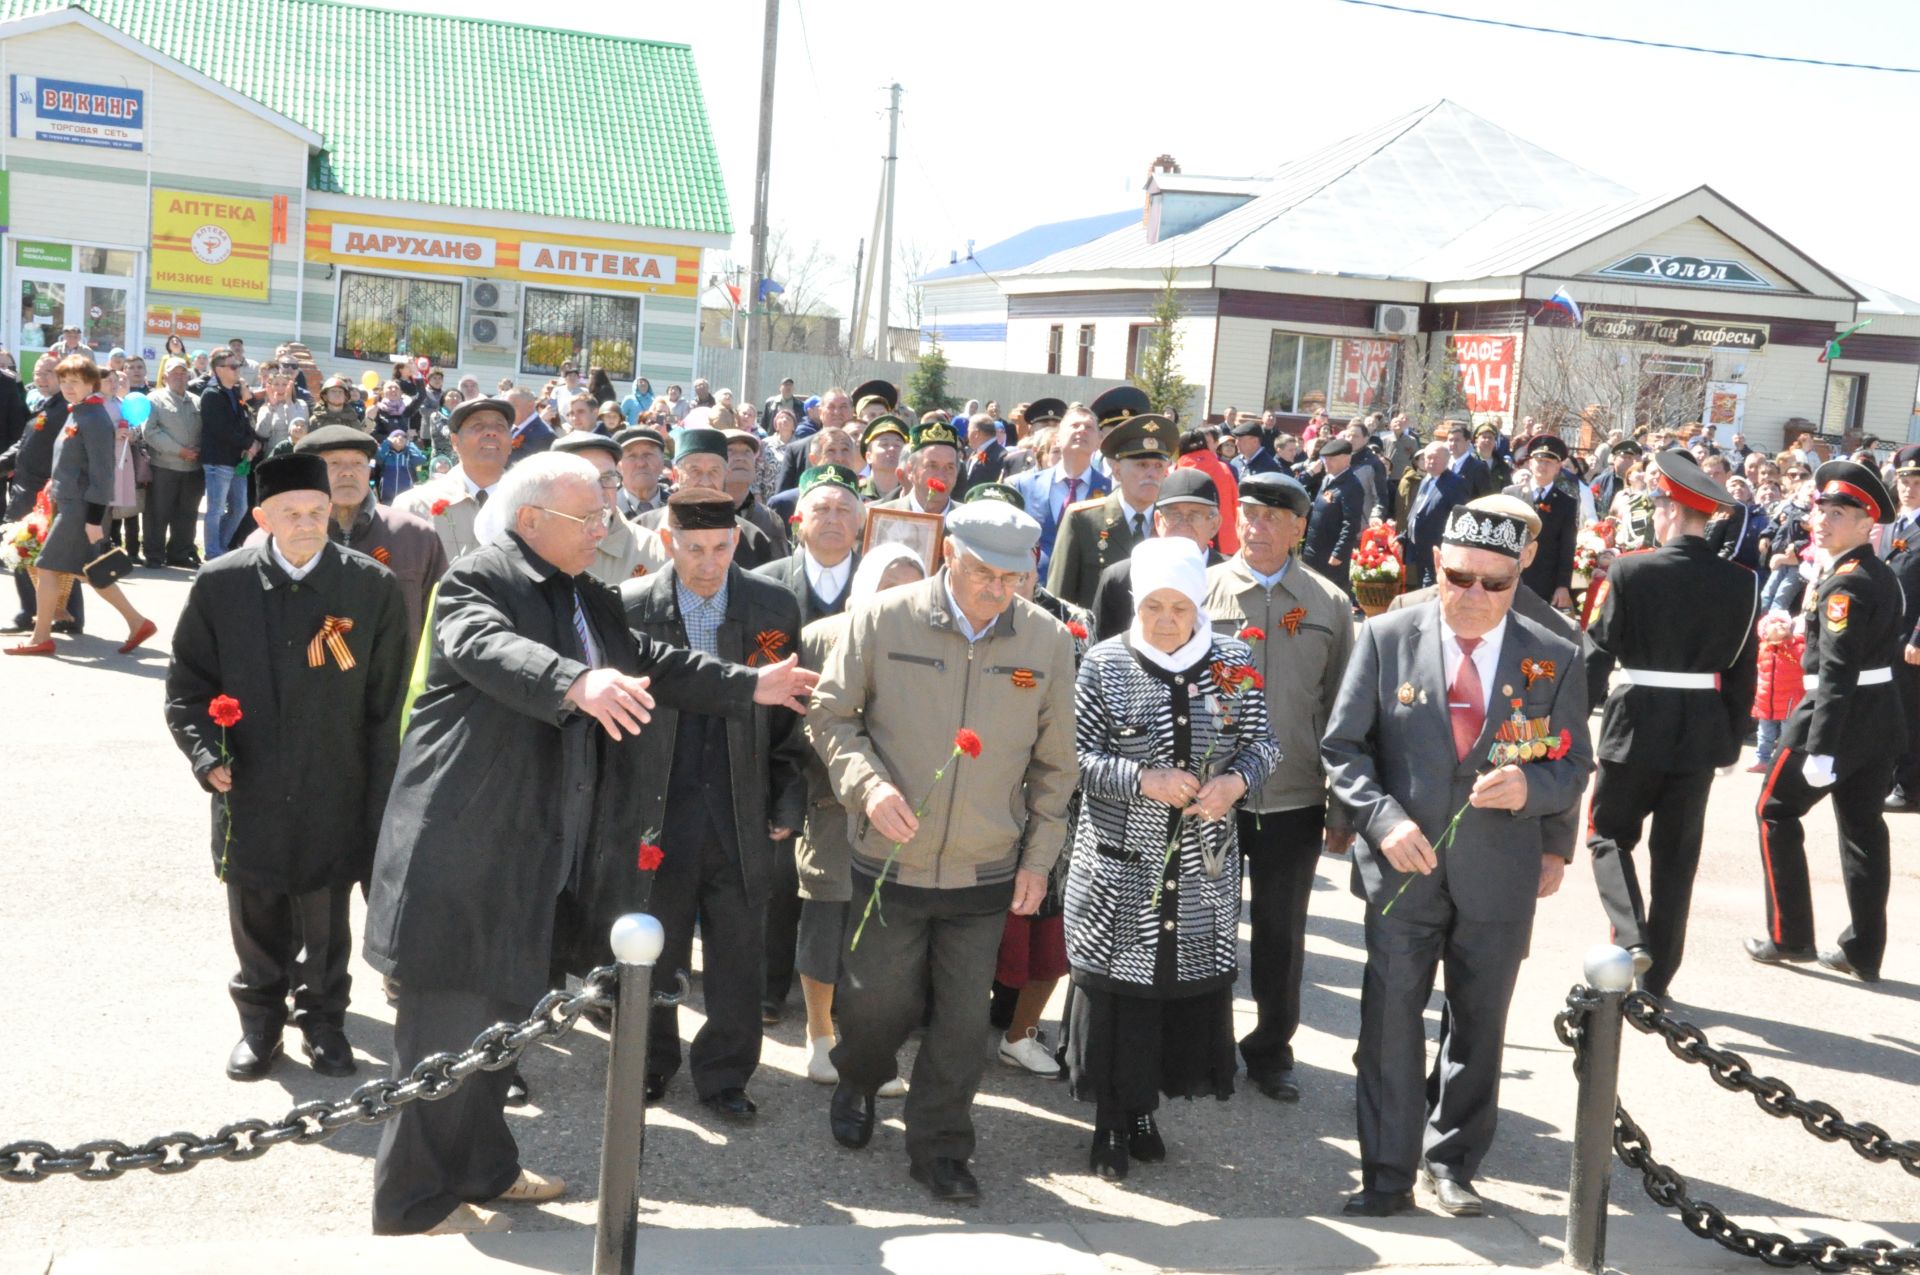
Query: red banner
279	219
1361	374
1485	364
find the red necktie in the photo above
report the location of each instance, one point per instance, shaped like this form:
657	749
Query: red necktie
1073	490
1466	701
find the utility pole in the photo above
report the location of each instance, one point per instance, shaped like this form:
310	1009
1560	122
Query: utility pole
851	338
881	344
757	273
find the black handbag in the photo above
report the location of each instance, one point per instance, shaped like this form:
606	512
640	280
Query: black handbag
110	564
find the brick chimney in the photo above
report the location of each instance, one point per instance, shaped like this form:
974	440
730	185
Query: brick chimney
1164	164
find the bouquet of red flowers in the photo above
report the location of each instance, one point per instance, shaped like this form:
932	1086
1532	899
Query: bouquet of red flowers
1377	558
20	542
1593	549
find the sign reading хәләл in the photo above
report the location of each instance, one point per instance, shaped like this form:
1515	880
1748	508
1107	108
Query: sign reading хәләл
395	243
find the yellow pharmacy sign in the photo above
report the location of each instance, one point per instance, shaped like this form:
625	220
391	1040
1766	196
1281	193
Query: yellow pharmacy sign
211	245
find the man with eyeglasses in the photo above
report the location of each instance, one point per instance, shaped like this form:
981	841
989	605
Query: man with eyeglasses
626	552
1189	507
1679	622
1467	676
480	428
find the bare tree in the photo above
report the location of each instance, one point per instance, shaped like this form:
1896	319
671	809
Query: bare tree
802	273
1570	380
912	258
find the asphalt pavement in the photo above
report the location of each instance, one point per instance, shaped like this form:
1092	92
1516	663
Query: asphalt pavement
114	940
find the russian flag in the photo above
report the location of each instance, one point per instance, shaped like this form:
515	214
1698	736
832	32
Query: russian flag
1563	301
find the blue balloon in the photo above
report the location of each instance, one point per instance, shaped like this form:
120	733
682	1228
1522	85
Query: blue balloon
136	408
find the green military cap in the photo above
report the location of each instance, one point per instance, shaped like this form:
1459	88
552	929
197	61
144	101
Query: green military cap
933	434
883	391
997	491
1119	403
829	476
1142	436
888	424
700	441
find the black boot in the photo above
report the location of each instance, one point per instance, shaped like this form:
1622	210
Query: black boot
1109	1156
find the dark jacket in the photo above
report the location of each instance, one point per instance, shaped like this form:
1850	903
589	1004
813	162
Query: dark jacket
1476	473
83	455
1552	567
984	466
1094	534
404	544
226	426
473	851
30	460
1426	521
1853	624
313	752
13	408
1335	522
1113	597
753	551
530	439
790	573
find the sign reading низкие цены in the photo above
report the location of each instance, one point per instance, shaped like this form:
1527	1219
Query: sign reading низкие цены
81	114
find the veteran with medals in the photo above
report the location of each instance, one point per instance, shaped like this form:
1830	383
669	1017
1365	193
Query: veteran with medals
1096	534
289	667
1454	857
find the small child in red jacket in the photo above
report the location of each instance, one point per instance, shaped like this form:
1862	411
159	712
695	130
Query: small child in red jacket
1779	687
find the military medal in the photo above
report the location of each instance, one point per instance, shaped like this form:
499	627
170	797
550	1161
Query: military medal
1406	692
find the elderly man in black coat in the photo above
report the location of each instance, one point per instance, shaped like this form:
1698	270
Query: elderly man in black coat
512	778
311	641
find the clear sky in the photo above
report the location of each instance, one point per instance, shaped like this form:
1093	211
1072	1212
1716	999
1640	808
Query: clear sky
1023	111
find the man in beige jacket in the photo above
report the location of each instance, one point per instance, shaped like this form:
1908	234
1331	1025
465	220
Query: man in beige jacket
920	664
452	501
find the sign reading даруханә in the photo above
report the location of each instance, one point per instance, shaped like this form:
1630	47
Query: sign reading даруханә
1675	332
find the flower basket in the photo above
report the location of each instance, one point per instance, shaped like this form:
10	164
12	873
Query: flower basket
1377	573
1374	596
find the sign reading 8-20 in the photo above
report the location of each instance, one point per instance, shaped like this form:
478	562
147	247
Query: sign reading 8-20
1711	272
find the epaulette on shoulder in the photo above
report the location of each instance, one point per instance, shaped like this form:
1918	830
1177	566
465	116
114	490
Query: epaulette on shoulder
1093	502
1843	568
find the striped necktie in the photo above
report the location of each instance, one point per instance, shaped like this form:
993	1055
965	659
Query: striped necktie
584	633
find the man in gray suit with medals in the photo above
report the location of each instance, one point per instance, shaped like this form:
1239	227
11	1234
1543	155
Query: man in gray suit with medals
1466	675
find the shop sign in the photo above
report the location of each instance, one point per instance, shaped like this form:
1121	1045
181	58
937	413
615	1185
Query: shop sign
81	114
1360	373
443	248
1485	365
211	245
43	256
1677	333
165	320
1699	272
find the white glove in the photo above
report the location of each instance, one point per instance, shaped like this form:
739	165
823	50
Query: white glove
1728	769
1817	770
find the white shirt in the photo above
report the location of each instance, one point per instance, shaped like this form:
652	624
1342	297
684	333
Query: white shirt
1060	500
1486	656
827	582
293	573
965	625
474	488
1268	581
1128	513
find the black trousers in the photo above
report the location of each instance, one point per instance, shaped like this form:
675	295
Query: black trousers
1623	798
1861	822
1906	767
699	882
436	1155
289	944
783	921
1281	851
938	944
1400	1121
173	510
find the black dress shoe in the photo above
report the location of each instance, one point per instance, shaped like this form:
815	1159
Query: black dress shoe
1836	960
731	1104
1109	1156
851	1116
1144	1142
948	1180
770	1012
1767	953
656	1086
328	1051
1278	1085
69	627
517	1091
153	564
1368	1202
188	563
252	1058
1455	1198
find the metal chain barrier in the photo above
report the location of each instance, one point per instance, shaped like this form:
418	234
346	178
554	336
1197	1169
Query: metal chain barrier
1775	1097
433	1077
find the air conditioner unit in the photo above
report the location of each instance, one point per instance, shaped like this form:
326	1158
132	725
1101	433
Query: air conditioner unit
493	334
495	294
1396	320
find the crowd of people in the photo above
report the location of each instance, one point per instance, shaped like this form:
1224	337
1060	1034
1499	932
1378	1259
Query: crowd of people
518	663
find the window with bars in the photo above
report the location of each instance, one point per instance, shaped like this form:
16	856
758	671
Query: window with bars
381	317
593	331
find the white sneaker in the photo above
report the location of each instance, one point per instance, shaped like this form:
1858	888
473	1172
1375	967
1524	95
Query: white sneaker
820	1068
1030	1053
895	1088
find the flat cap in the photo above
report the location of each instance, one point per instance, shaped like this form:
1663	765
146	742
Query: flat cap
1246	429
582	441
472	405
337	438
1277	491
1336	447
641	434
995	532
1188	487
742	436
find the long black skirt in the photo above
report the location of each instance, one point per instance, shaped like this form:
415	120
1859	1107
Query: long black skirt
1124	1052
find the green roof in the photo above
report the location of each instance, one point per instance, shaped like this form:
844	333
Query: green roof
456	111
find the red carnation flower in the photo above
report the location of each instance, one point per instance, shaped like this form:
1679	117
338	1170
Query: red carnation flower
224	710
1561	749
967	742
1078	629
1253	675
650	856
437	508
1252	633
793	520
935	485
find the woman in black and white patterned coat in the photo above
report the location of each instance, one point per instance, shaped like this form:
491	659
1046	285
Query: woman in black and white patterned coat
1172	732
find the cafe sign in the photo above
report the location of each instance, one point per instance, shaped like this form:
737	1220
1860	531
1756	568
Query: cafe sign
1699	272
1675	333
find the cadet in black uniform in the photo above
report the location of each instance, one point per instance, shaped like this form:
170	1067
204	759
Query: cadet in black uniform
1901	549
1337	517
1551	575
1843	737
1095	534
1679	621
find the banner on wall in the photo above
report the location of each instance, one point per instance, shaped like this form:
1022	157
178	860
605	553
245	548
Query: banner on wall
80	114
447	248
1485	367
1727	404
1360	374
211	245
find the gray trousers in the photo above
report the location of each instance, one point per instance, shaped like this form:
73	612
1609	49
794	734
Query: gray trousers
938	943
173	513
1404	1115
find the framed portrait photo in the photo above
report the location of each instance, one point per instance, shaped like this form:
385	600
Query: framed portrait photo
920	532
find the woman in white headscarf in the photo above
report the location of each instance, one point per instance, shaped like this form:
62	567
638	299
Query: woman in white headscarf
1171	732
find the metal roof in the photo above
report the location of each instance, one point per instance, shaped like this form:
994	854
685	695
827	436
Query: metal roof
1030	245
456	111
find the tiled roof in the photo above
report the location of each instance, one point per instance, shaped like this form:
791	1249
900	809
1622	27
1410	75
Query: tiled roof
456	111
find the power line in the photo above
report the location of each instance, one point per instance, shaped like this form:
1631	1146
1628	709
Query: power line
1623	39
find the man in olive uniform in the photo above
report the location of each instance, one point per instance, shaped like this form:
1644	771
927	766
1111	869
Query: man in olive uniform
700	460
1551	575
1188	506
311	640
1095	534
451	502
1843	737
627	551
933	468
1679	623
881	444
1901	549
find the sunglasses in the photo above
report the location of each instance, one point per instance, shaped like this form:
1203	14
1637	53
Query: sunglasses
1467	579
